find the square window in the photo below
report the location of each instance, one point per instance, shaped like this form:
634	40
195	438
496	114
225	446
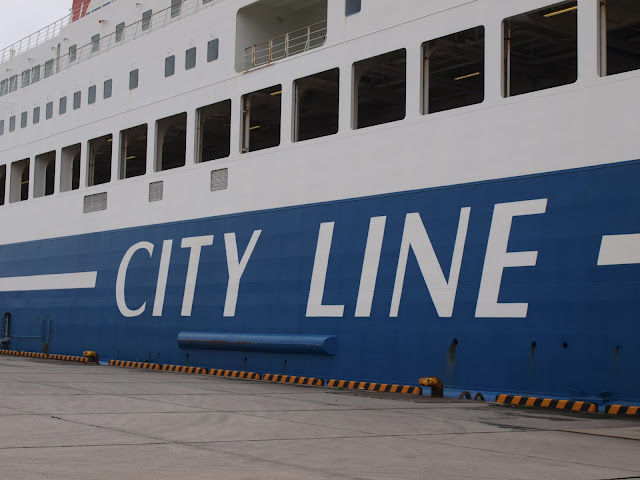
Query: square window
119	32
622	18
316	105
63	106
146	19
108	89
77	100
212	50
91	97
49	111
133	79
36	115
99	161
262	119
190	59
352	7
133	152
169	66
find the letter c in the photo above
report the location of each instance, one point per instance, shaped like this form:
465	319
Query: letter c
122	274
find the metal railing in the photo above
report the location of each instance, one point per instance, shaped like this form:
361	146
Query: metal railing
292	43
115	39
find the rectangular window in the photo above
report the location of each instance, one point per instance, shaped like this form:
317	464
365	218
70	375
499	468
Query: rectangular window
23	119
44	174
70	168
4	87
63	106
119	32
36	115
19	185
49	111
621	48
91	97
77	100
146	19
48	68
171	134
453	71
261	119
214	131
26	78
133	79
3	183
169	66
175	8
316	105
190	59
133	152
13	83
12	123
380	89
35	74
108	89
352	7
212	50
95	43
73	51
541	49
99	161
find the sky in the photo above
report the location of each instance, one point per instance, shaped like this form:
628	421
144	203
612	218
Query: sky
28	16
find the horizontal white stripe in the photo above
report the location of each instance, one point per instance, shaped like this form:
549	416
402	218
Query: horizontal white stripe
64	281
619	250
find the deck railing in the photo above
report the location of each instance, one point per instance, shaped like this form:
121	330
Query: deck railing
292	43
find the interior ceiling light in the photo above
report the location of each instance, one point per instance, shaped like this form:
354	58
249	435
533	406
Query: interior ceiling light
255	127
560	12
276	93
131	157
462	77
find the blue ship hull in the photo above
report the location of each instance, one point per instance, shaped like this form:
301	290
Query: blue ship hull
565	325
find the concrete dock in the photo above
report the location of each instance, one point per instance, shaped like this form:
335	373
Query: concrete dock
61	420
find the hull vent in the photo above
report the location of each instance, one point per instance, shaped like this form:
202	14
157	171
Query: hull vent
219	179
156	191
95	203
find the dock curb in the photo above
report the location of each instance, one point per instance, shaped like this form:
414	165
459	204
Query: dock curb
126	364
375	387
269	377
520	401
48	356
622	410
69	358
235	374
184	369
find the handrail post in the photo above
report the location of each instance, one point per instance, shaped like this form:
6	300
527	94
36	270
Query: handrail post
270	50
286	44
253	56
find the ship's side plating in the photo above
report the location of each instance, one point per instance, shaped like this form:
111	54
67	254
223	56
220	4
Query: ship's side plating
494	245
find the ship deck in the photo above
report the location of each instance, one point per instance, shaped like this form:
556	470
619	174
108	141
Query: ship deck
63	420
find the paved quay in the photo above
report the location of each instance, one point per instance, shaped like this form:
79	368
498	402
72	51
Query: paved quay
62	420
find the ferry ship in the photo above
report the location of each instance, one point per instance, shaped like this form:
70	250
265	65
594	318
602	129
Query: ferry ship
362	190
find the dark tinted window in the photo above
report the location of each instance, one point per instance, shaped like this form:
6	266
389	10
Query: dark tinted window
108	88
63	106
146	19
77	100
73	50
49	110
190	59
119	32
91	98
212	50
36	115
133	79
352	7
169	66
23	119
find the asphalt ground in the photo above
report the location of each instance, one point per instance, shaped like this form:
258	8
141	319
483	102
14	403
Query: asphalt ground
62	420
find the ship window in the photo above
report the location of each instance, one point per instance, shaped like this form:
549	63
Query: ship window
190	59
622	36
63	106
175	8
35	74
99	165
133	79
91	97
77	100
261	119
13	83
73	52
212	50
453	72
206	1
26	78
19	181
108	88
44	175
146	19
23	119
380	89
169	66
171	144
352	7
3	183
541	49
214	131
95	43
12	123
4	87
49	111
317	102
70	168
48	68
119	32
1	127
36	115
133	152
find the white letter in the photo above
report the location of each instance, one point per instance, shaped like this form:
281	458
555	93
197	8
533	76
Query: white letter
195	244
443	292
122	274
497	259
236	269
370	266
163	273
319	275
